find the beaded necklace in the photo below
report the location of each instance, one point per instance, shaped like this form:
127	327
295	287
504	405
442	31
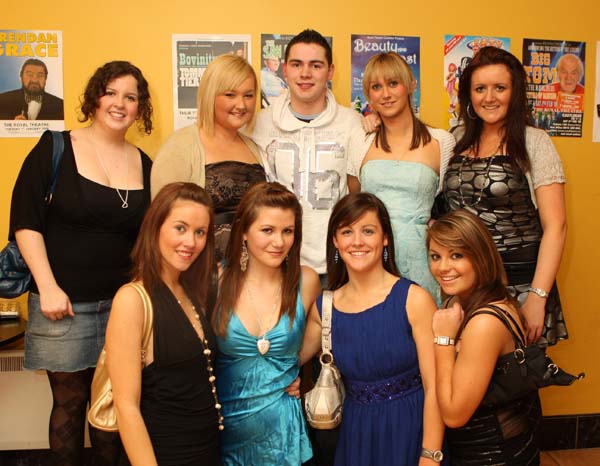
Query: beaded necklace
207	353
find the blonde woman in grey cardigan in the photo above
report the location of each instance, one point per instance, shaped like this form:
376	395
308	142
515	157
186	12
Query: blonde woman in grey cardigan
214	153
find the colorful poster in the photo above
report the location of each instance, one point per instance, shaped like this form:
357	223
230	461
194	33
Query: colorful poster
272	55
596	137
458	51
31	82
555	84
364	47
191	55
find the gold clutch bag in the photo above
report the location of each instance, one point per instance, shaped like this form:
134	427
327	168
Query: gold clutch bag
102	414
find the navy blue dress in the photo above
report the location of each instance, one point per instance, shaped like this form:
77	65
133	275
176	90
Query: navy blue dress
383	412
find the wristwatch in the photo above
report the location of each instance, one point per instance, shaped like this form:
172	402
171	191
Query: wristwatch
435	455
443	341
538	291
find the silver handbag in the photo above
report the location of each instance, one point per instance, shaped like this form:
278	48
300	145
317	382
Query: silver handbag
324	403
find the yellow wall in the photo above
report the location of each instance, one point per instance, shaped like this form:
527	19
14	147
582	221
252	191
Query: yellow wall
140	31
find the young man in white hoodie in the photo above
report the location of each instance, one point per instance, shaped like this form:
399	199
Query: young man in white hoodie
306	137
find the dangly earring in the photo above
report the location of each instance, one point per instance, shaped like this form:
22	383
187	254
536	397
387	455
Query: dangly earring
469	112
244	257
336	256
385	254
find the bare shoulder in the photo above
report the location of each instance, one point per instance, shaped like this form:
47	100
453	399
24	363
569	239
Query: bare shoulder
309	276
420	306
128	303
311	286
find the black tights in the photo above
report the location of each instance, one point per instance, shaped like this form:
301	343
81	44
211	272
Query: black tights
70	395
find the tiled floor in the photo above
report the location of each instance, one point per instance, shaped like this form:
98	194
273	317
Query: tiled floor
585	457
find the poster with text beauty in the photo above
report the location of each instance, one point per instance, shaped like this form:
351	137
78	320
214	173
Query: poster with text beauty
555	84
31	82
191	55
458	51
272	55
364	47
596	137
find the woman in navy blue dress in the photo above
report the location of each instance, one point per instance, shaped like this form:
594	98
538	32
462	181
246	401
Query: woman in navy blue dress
382	343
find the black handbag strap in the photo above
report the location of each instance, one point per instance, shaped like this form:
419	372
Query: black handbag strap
58	147
506	319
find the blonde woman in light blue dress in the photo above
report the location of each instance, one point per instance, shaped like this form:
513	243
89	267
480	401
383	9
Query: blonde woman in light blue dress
401	163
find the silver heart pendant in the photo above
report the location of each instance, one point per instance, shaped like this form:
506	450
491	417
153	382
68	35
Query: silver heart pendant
263	345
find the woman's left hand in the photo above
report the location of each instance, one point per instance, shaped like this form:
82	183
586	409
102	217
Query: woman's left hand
534	310
446	322
293	389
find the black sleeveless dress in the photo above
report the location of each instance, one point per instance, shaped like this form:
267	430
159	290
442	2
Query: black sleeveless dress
176	402
496	192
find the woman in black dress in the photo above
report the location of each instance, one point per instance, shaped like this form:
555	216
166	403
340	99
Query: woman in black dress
471	334
509	174
167	410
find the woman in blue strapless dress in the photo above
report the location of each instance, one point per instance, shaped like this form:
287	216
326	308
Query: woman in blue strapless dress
401	163
382	343
259	325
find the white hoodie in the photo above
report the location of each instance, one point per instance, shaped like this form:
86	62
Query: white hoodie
310	159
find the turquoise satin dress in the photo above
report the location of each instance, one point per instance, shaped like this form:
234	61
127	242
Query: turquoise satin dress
263	424
408	190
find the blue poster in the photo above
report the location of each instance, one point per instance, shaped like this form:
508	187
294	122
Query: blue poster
555	84
364	47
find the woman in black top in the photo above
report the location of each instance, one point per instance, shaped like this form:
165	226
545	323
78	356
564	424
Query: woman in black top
168	412
470	337
78	247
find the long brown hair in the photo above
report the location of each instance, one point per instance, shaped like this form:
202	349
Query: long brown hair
259	196
348	210
518	116
463	231
147	261
387	66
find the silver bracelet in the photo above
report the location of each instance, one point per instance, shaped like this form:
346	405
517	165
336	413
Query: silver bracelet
538	291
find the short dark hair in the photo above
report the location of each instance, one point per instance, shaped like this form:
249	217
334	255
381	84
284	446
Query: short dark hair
348	210
33	62
96	88
310	36
147	261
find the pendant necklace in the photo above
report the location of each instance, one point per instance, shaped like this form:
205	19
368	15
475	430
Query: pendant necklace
124	200
207	353
483	183
263	344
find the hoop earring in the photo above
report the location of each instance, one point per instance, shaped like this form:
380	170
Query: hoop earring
244	257
336	256
385	254
469	110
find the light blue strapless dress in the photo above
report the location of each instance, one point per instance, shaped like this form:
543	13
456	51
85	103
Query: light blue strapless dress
263	424
408	190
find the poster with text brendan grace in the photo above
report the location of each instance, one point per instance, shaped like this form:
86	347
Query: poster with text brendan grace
364	47
31	82
191	55
555	84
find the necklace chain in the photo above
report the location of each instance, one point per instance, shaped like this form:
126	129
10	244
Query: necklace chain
483	184
124	200
263	330
207	353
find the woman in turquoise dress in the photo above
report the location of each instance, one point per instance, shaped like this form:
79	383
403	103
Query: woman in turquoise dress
259	323
401	163
381	341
